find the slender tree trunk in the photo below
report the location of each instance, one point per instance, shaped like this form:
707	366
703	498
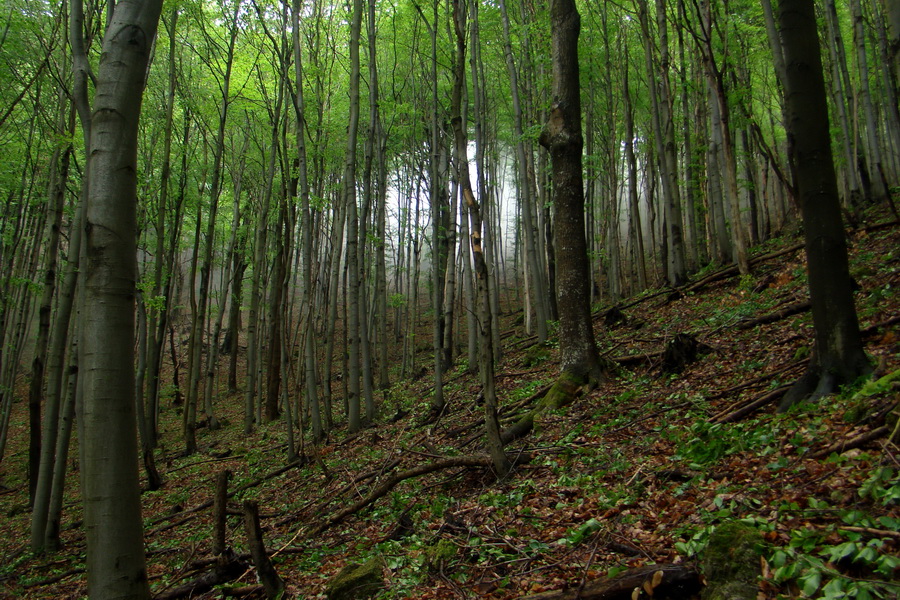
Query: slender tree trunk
155	332
864	97
306	242
835	47
535	267
636	228
41	465
492	426
259	267
349	197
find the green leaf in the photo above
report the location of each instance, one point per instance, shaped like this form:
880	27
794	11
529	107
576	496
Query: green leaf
810	583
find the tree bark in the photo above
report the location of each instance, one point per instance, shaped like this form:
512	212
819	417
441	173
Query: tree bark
562	137
492	426
838	355
110	486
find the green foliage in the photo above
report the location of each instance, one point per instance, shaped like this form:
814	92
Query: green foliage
577	535
845	558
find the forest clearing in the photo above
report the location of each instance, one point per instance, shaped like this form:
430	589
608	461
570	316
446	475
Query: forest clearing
480	298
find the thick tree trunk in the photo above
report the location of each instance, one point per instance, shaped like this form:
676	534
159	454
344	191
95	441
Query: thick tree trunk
562	137
110	486
838	355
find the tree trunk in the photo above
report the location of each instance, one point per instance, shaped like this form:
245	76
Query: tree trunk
838	355
492	425
349	196
562	137
110	486
43	440
635	226
864	97
535	271
306	246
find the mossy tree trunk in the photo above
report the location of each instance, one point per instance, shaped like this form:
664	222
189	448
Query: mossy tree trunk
563	138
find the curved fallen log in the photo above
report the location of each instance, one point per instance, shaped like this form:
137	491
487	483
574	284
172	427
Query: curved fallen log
788	311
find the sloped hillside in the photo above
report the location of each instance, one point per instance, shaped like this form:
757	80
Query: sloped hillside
640	471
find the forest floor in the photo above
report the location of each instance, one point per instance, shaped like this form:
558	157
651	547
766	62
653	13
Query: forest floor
639	471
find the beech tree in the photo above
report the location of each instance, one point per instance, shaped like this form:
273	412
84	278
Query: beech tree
110	490
838	356
562	137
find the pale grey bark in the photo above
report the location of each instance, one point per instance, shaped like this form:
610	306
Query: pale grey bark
534	267
492	426
259	267
635	226
721	241
110	486
306	242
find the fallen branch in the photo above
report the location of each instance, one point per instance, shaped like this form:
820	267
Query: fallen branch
755	381
733	270
227	568
203	505
731	414
788	311
673	581
323	502
872	532
855	442
504	412
638	358
55	578
872	329
481	461
241	591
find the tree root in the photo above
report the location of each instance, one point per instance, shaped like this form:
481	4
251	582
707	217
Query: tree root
816	383
567	388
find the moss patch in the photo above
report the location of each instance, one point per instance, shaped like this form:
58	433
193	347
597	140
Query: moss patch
563	391
356	582
731	562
